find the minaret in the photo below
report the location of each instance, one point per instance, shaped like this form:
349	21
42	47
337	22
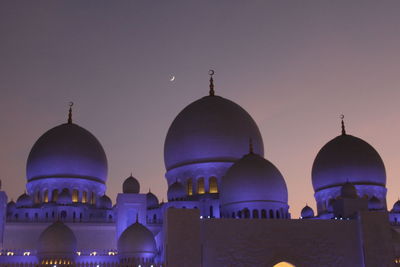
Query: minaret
343	128
211	73
70	112
3	214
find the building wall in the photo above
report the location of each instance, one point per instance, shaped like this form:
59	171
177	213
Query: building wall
191	241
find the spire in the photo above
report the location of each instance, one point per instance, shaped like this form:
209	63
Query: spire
70	112
211	73
343	128
251	149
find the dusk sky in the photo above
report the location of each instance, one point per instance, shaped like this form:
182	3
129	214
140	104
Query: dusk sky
295	66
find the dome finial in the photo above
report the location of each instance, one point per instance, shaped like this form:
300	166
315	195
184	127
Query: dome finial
251	148
70	112
211	73
343	128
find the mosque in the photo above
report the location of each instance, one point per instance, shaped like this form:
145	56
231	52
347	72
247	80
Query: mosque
227	204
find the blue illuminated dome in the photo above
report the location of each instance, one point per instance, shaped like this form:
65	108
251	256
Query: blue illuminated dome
254	184
131	186
307	212
176	191
24	200
347	158
396	207
211	129
152	200
57	241
137	242
67	151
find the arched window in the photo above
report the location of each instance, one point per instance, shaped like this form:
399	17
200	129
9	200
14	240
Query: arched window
255	214
200	186
75	197
263	214
63	214
55	195
154	218
46	196
84	197
277	214
189	187
239	214
93	198
213	185
211	211
233	215
246	212
284	264
37	197
271	214
74	216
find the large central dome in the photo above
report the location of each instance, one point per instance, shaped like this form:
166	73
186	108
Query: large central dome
211	129
67	151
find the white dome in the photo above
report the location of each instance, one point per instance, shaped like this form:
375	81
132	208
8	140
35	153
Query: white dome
176	191
211	129
57	240
137	241
131	186
253	178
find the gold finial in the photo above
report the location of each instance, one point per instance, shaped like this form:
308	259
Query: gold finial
251	148
343	128
70	112
211	73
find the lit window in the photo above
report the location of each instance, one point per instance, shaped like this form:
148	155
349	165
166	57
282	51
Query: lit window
93	199
55	195
78	252
200	186
46	196
213	185
27	253
75	195
111	253
189	187
10	253
94	253
84	197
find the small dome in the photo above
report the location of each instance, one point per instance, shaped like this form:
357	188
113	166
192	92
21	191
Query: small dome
307	212
136	242
152	200
253	178
24	200
105	202
176	191
374	204
396	207
67	151
131	186
57	240
348	190
347	158
65	197
210	129
11	206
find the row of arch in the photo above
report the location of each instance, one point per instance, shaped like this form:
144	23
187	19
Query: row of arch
259	214
202	186
51	216
46	196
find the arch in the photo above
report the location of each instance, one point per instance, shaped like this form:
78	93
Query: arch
284	264
213	184
255	214
84	197
55	195
246	213
37	197
271	214
263	214
211	211
93	198
239	214
75	197
277	214
46	196
200	186
189	186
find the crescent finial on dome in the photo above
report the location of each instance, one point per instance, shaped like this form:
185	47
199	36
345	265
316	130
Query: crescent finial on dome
251	149
211	73
70	112
343	128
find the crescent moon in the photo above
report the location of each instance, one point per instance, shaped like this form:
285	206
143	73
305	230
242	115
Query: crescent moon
71	103
172	78
211	72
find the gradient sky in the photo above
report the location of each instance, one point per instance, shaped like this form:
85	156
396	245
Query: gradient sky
295	66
